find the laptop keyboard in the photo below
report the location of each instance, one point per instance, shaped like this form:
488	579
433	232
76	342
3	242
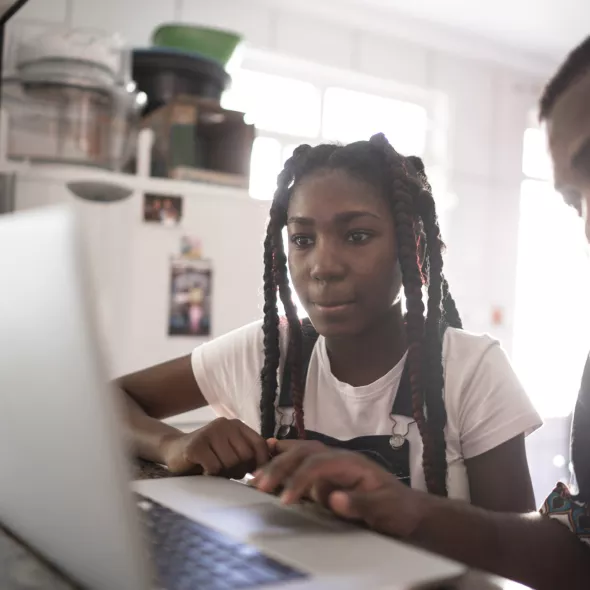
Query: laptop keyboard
191	556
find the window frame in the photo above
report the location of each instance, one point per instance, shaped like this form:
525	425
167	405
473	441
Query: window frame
522	333
435	103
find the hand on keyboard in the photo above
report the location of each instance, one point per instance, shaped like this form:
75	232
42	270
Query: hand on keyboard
346	482
308	447
224	447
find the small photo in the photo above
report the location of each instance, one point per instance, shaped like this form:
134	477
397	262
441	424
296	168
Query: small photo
190	298
190	247
162	209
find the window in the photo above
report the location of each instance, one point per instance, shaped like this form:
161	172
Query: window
265	166
275	103
288	112
304	103
350	115
536	162
552	319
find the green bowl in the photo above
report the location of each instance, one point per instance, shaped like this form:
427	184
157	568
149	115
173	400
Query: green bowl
214	43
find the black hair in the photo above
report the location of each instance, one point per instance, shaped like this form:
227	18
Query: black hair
402	181
573	68
580	443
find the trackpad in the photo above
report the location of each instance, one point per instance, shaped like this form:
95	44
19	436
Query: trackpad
271	521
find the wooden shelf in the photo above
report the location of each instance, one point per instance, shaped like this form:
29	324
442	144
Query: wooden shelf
210	177
135	183
201	181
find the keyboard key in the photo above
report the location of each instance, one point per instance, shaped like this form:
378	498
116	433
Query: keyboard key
190	555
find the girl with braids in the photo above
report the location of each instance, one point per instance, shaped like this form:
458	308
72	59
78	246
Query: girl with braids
547	550
436	406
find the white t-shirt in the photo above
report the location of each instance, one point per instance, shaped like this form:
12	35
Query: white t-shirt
485	403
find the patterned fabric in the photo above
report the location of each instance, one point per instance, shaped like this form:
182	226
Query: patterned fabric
572	514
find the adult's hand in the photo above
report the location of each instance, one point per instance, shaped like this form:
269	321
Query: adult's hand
346	482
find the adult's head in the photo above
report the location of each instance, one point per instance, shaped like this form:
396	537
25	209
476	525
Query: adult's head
565	107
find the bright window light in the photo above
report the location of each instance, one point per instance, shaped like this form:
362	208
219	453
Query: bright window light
352	116
552	319
536	162
300	311
265	166
275	103
288	112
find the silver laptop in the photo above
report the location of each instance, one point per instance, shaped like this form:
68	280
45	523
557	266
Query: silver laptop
65	487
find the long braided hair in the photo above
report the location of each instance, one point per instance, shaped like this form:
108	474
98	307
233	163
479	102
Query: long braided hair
403	183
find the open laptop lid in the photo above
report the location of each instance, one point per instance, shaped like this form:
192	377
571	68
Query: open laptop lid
8	8
64	482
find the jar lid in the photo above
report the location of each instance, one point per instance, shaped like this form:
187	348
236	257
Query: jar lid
74	45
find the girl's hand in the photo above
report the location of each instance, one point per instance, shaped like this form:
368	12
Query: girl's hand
279	447
227	448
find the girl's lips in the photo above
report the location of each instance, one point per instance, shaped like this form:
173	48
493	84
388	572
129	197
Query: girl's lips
333	308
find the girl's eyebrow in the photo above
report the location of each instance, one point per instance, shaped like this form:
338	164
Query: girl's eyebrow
345	217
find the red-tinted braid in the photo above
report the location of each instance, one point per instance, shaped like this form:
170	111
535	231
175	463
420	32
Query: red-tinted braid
437	416
452	317
295	339
270	328
412	281
406	218
275	276
451	314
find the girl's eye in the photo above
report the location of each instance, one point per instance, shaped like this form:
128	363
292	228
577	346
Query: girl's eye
301	241
357	237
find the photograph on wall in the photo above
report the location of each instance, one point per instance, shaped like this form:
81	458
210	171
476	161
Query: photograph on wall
163	209
190	247
190	297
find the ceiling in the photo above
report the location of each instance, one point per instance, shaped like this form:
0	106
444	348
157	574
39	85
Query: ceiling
548	28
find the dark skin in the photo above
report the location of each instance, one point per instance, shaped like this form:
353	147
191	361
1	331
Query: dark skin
223	447
342	250
530	549
568	128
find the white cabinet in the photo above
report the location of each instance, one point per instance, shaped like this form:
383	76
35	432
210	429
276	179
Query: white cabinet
128	260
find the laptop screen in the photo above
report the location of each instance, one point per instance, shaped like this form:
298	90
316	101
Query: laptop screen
8	8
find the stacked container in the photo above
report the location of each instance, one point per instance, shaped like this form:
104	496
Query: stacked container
70	99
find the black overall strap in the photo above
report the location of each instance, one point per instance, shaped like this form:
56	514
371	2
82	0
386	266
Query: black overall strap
378	448
402	404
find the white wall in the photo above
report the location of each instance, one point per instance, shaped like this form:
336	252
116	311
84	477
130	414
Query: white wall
128	261
489	97
488	106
